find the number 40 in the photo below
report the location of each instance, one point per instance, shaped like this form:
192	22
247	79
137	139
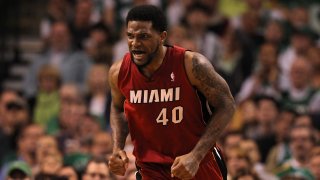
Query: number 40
176	114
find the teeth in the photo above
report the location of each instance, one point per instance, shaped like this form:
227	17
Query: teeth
137	52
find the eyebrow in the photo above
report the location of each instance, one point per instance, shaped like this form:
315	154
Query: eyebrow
141	32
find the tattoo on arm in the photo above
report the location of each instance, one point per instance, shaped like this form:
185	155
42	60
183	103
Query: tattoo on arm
218	95
118	124
119	128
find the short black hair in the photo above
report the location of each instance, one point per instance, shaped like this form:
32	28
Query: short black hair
197	6
258	98
148	13
98	160
311	130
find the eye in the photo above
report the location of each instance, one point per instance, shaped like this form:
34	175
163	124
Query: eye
130	36
144	36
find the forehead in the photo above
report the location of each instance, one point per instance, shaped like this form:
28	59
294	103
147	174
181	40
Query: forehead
300	132
139	26
97	167
8	96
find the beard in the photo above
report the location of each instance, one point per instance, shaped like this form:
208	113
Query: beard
150	57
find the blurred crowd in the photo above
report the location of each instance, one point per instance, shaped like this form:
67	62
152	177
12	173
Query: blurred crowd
268	51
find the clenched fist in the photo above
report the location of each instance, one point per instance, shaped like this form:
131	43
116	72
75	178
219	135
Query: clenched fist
185	167
118	162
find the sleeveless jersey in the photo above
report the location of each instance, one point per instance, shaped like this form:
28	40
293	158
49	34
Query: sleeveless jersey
164	112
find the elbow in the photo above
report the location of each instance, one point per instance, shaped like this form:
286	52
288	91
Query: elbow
233	106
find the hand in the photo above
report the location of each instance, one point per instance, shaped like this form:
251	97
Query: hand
185	166
118	162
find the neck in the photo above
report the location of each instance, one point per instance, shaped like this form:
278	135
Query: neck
156	62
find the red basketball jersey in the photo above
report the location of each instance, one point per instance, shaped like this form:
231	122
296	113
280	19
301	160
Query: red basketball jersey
164	112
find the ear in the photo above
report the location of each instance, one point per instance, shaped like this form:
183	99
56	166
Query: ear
163	36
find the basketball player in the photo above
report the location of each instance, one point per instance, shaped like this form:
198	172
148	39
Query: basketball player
165	93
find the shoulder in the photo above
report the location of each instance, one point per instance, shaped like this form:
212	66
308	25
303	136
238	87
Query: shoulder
114	71
195	57
196	64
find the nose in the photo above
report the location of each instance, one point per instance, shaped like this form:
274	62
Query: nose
135	42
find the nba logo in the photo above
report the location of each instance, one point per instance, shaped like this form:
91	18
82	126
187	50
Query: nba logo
172	77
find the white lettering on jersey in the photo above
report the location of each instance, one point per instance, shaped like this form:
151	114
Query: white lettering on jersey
166	95
135	97
155	95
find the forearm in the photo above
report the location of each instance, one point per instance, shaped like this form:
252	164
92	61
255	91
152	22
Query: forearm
217	124
119	128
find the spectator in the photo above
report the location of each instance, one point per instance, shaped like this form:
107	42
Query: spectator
265	80
108	14
280	152
303	120
251	148
81	23
98	96
69	95
98	45
101	145
249	35
302	140
273	34
50	164
237	160
57	10
45	104
300	42
90	126
231	140
73	65
27	140
68	172
264	131
120	47
13	116
46	145
232	63
246	175
301	96
70	118
197	21
314	162
176	9
96	168
176	35
218	22
19	170
298	17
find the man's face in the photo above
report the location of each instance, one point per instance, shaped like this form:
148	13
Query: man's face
143	41
60	36
6	98
28	141
300	142
300	73
314	166
96	171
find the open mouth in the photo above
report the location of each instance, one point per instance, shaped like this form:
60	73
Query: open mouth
137	54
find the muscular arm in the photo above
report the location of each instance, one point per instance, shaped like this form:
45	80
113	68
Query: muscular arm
118	125
203	76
